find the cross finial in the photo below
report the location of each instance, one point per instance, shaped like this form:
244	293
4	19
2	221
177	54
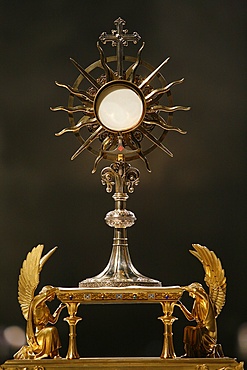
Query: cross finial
119	38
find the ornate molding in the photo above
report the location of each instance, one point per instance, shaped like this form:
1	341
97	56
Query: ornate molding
120	218
118	295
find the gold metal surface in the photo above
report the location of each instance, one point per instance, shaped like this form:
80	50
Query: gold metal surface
72	320
119	295
138	363
120	282
42	340
167	296
119	38
168	319
201	340
120	146
87	99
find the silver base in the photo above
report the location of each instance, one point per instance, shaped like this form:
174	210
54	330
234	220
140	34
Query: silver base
119	272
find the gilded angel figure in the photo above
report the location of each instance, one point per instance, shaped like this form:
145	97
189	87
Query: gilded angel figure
201	340
42	340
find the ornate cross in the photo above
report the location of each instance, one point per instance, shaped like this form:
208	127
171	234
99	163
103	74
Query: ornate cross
119	38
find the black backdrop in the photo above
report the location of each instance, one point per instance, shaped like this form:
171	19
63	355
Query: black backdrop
196	197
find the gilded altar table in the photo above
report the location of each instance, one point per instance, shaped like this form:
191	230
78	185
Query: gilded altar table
166	296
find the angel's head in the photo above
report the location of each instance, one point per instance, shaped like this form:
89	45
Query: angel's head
49	291
194	288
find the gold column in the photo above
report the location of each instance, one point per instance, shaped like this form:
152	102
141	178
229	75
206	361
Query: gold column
72	320
168	320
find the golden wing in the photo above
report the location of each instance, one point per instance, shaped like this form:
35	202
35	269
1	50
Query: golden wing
214	275
29	276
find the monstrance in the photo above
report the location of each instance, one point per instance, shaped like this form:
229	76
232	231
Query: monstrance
120	118
120	108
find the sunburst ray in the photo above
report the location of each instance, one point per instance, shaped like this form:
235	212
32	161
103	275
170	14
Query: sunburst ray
164	108
154	140
83	95
137	145
110	75
84	121
162	124
131	71
85	74
107	143
76	108
87	142
155	94
152	74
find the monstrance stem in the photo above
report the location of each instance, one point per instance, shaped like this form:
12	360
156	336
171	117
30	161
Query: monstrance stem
120	271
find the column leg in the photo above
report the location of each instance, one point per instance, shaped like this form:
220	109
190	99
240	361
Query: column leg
168	319
72	320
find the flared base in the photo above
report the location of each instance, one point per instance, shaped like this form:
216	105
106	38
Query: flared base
119	272
105	281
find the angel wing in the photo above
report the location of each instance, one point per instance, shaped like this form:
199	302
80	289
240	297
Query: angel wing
214	275
29	276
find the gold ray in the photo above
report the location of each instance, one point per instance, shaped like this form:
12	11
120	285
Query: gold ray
85	74
110	75
154	140
131	72
162	120
80	94
107	143
77	108
139	152
87	142
157	92
152	74
84	121
165	126
163	108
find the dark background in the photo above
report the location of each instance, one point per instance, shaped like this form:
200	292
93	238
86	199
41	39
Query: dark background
196	197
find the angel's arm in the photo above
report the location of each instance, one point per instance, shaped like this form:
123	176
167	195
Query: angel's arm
53	318
185	311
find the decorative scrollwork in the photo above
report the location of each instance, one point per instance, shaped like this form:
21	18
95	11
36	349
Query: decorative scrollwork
108	178
122	175
132	178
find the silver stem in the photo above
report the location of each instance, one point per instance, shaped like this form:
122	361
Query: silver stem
119	271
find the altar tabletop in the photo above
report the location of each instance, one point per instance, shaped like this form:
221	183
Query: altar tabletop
136	363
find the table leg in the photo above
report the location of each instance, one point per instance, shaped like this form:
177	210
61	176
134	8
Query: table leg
168	319
72	320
